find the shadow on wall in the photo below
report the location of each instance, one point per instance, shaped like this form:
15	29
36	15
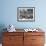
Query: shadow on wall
2	26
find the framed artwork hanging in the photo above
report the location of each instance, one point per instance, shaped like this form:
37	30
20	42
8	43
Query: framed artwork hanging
26	14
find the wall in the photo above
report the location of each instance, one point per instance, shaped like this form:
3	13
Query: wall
9	13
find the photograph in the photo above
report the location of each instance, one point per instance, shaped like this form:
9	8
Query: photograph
26	13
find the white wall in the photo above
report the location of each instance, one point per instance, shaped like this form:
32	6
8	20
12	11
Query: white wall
9	13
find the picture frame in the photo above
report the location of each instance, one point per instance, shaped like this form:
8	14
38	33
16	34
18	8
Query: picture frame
26	14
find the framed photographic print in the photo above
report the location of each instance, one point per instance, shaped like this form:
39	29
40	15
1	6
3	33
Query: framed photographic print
26	14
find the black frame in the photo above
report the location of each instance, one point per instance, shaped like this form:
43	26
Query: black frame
29	14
